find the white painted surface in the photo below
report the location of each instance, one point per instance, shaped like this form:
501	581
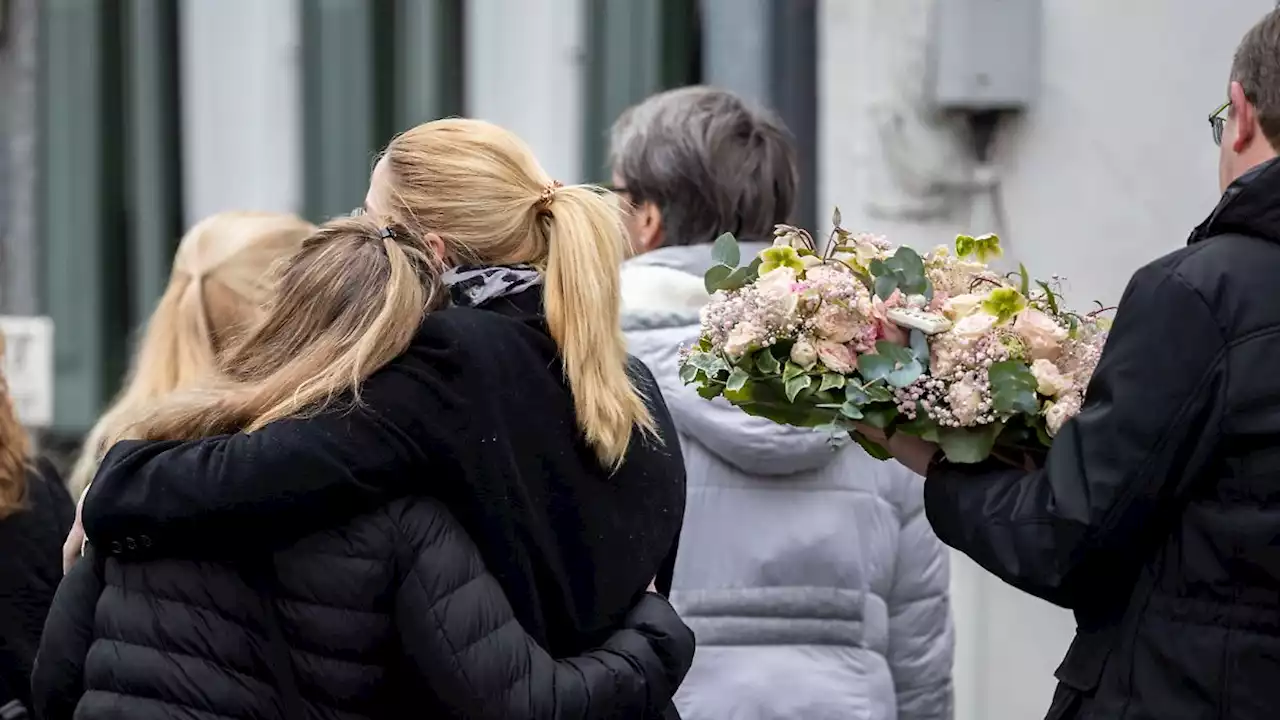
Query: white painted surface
1113	167
241	106
28	367
525	73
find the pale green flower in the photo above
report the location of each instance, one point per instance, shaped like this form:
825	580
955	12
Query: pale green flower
1004	303
981	248
778	257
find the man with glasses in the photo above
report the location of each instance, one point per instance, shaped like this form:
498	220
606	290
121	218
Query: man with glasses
1156	515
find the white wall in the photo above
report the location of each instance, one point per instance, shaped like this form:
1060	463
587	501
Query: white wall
1112	167
241	106
525	72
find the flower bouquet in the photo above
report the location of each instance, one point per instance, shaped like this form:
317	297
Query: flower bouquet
939	346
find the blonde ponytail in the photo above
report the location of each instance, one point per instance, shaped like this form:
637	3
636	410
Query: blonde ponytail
586	245
347	304
221	277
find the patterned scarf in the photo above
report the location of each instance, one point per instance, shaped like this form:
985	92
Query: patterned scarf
476	285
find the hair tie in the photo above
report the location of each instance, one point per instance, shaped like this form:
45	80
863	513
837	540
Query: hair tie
386	233
548	193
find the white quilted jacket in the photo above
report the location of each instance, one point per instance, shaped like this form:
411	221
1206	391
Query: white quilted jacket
808	572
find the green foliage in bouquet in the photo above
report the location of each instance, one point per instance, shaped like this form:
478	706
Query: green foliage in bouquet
848	333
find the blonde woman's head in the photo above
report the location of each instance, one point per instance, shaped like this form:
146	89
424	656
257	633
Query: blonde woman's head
13	451
345	305
477	193
220	280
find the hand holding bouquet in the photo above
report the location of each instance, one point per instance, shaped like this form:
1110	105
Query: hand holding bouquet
939	346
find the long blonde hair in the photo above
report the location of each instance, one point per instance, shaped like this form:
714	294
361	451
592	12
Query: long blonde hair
480	188
14	451
221	278
345	305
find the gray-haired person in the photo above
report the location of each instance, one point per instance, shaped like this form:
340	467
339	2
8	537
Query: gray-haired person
812	578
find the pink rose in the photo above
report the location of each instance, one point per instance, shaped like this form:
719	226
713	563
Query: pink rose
886	329
836	323
837	357
1042	334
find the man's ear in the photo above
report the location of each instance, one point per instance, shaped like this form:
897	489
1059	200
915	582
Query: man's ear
1245	116
648	223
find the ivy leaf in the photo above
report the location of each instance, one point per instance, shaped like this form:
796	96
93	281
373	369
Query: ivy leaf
791	370
710	363
716	275
969	445
796	385
688	373
831	381
767	363
851	411
737	379
879	393
711	390
875	367
1013	388
725	251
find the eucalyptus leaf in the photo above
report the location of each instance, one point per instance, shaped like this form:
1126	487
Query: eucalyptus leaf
796	385
753	270
737	279
920	348
894	352
725	251
851	411
875	367
1013	388
912	280
737	379
907	374
767	363
715	276
855	394
969	445
831	381
878	268
885	285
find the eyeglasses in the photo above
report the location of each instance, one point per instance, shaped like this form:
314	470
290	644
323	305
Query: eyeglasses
1218	121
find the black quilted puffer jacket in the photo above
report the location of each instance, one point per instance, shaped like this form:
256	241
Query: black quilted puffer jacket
392	616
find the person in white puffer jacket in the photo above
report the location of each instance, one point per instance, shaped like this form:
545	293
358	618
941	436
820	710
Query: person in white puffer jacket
806	568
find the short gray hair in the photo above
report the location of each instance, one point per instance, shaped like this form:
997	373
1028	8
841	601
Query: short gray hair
1257	68
709	161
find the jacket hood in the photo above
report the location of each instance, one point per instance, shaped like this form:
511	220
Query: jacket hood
1250	206
662	294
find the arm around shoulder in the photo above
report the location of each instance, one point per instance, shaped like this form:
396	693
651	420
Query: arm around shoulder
462	638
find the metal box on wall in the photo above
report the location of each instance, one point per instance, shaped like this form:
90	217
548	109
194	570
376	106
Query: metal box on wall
984	54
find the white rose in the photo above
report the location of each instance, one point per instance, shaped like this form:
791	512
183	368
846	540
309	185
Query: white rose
973	327
1042	334
743	338
961	306
776	287
836	356
836	323
804	354
1054	417
810	261
1049	380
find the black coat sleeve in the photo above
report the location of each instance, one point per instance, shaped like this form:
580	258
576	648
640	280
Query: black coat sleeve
57	681
461	637
288	479
1150	424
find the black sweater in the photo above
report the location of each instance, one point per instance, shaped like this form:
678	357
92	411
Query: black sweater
30	569
392	615
477	414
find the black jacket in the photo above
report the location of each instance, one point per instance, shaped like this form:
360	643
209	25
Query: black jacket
477	414
1155	517
30	569
393	615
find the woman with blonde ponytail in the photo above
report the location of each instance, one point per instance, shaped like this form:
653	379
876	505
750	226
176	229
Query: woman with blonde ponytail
381	614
